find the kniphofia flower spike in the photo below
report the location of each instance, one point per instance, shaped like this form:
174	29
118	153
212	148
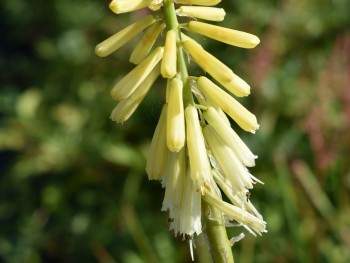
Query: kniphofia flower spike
194	151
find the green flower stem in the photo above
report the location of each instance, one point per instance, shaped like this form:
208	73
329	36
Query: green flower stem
172	23
215	227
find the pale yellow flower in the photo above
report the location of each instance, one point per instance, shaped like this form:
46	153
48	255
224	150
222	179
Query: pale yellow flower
175	116
238	199
191	212
225	35
208	102
124	6
245	119
174	182
169	60
202	12
231	167
218	70
199	163
127	107
213	117
128	84
158	153
236	213
119	39
207	61
181	198
199	2
142	49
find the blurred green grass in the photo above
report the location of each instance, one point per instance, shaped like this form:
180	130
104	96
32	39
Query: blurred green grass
73	186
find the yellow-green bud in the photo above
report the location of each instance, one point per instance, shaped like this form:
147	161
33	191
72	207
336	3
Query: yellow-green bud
168	69
208	62
158	153
215	68
127	107
226	35
246	120
202	12
175	117
208	102
142	49
213	117
122	37
124	6
127	85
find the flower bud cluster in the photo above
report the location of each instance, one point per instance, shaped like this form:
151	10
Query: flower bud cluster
194	150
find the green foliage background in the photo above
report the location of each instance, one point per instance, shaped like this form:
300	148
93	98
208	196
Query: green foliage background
73	186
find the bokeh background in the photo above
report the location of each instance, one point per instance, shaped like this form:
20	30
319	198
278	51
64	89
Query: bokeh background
72	183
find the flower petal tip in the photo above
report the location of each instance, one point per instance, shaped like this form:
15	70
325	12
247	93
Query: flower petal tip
255	41
238	87
255	128
100	51
114	7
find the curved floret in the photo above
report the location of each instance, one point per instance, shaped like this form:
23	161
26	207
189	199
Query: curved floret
225	35
158	152
229	136
245	119
169	67
127	107
218	70
202	12
127	85
119	39
175	117
142	49
199	163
